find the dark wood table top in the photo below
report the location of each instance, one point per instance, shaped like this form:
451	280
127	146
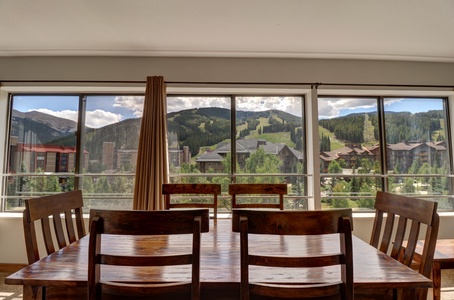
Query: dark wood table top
220	265
444	251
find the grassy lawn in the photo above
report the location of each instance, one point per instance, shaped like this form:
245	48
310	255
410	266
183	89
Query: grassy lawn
335	144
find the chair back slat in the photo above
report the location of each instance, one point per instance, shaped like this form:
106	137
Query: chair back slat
70	225
60	231
268	222
208	189
47	236
238	189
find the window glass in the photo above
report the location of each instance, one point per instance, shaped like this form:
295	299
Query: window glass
42	147
417	154
44	156
110	143
270	144
197	128
349	151
416	159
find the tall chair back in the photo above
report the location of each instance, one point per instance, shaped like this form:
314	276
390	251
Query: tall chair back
203	190
255	190
301	223
145	223
415	219
57	232
48	210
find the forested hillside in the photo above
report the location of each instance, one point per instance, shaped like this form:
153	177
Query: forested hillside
205	127
400	126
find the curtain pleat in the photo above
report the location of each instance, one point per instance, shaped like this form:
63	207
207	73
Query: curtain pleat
152	162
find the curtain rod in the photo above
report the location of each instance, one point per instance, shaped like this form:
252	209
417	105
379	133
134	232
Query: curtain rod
234	83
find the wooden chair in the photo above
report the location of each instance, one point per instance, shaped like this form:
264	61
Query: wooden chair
413	216
214	190
62	232
279	189
136	222
295	223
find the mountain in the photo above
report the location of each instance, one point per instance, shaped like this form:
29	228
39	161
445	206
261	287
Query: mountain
400	126
206	127
125	135
45	127
196	128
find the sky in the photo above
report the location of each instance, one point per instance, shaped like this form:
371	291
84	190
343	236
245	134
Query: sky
105	110
338	107
101	110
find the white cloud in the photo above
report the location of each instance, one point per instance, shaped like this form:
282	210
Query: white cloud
93	119
134	103
100	118
331	107
291	105
65	114
182	103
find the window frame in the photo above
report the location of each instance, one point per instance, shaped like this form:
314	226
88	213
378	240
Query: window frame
309	91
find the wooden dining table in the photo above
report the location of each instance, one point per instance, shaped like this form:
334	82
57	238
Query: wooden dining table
220	263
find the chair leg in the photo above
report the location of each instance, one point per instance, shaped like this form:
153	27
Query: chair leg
436	279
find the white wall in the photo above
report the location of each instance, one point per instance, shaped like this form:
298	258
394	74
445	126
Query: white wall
354	72
227	70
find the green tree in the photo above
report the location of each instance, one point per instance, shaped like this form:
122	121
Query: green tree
40	184
341	188
409	186
355	183
334	167
189	169
366	189
121	185
261	163
102	185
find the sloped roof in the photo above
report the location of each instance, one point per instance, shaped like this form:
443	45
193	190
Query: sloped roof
209	157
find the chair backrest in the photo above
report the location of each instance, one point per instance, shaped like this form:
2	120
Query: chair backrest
199	189
264	189
320	222
139	222
412	216
47	208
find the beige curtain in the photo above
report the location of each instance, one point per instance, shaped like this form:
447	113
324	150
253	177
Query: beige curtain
152	167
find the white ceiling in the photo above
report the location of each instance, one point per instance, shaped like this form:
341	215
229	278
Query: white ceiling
419	30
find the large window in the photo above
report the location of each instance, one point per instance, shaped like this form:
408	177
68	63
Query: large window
61	142
398	145
367	143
